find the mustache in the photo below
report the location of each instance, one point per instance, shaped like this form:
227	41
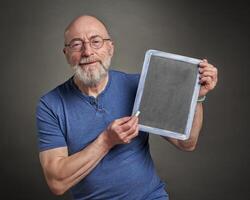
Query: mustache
88	60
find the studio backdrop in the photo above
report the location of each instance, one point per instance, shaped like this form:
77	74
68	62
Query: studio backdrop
33	63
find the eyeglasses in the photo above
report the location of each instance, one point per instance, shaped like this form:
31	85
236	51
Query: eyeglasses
95	42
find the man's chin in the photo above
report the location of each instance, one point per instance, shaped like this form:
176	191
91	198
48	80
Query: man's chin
90	75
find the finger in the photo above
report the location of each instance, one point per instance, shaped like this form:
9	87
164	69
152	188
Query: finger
127	141
133	117
206	80
212	74
208	73
133	135
122	120
126	126
209	84
203	61
205	64
208	68
130	131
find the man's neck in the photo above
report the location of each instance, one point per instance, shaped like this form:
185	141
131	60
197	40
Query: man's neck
92	90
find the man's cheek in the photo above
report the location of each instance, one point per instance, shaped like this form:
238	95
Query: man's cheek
103	55
74	60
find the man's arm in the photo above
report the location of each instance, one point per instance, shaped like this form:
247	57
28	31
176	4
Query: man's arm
62	171
208	80
190	144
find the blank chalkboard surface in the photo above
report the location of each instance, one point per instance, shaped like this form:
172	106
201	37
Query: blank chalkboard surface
167	94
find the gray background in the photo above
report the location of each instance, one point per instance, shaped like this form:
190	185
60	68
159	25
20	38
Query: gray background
33	63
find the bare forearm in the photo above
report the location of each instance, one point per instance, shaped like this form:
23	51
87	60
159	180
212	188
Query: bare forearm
85	159
195	131
67	171
189	144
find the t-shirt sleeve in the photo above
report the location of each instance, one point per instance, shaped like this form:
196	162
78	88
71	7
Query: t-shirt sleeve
50	134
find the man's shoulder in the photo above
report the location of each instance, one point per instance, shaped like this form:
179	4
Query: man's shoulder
122	73
124	76
54	95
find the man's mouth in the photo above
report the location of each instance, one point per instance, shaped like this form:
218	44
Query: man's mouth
88	63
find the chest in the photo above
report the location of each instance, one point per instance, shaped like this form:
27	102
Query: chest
85	119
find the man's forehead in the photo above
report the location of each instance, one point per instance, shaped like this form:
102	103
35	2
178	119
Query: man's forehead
85	28
86	34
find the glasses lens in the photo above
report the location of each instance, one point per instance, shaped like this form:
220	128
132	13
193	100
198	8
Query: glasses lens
96	42
76	45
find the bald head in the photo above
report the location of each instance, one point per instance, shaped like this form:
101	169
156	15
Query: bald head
85	25
88	54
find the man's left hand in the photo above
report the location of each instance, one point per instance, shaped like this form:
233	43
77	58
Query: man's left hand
208	77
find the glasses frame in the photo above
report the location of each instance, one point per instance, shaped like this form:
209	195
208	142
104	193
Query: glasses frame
83	42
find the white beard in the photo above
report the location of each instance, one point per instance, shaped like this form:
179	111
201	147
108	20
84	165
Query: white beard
90	76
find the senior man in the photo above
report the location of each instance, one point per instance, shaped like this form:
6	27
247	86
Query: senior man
88	141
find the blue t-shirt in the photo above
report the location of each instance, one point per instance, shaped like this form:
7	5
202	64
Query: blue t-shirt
67	117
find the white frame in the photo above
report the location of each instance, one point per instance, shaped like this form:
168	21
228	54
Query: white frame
181	136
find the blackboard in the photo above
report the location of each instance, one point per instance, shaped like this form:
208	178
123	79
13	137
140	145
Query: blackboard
167	94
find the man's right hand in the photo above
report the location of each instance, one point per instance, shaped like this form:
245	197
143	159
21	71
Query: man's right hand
122	131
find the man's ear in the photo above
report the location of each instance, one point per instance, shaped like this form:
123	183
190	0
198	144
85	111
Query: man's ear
66	55
111	49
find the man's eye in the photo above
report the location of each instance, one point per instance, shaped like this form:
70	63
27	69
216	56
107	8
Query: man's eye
75	45
96	41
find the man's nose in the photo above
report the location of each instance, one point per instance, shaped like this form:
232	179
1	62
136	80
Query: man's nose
87	50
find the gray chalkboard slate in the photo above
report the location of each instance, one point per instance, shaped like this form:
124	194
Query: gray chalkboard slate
167	94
